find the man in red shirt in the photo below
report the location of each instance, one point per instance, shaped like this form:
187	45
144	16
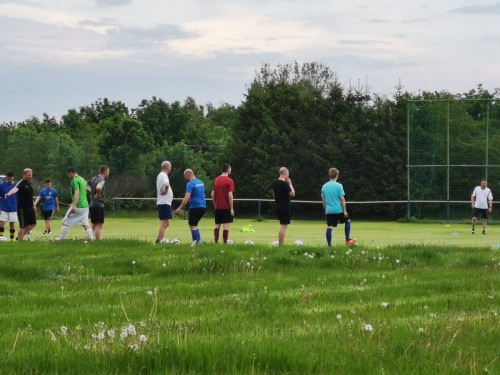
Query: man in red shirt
222	196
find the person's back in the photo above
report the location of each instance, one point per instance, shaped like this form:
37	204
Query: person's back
281	191
197	190
332	192
79	183
96	200
223	185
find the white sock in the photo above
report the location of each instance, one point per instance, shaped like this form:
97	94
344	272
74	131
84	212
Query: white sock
64	232
90	236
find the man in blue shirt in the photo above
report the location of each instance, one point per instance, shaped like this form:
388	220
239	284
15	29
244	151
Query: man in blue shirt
8	206
332	194
195	195
50	202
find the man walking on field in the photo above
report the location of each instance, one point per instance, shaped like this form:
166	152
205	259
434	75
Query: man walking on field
222	196
332	194
164	197
482	203
78	212
283	192
96	206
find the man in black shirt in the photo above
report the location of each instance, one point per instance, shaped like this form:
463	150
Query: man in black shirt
25	207
283	191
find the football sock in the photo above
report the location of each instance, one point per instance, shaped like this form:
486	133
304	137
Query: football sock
195	235
329	236
64	232
90	236
347	230
225	235
12	234
216	235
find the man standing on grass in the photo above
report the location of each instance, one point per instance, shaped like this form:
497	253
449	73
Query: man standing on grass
332	195
25	207
195	195
96	206
222	196
8	206
164	197
482	204
50	202
78	211
283	191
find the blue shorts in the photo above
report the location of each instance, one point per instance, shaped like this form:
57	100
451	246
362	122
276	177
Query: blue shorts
164	211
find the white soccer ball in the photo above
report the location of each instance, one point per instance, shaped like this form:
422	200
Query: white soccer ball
165	240
275	243
249	242
298	243
229	242
175	241
3	239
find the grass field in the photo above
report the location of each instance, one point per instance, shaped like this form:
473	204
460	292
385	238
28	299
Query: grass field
410	299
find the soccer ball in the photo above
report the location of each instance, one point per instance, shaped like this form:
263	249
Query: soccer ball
165	240
249	242
175	241
275	243
230	242
3	239
298	243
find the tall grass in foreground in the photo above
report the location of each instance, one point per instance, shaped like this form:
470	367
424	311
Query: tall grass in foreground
128	307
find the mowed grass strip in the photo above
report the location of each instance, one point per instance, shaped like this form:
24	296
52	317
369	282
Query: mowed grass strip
129	307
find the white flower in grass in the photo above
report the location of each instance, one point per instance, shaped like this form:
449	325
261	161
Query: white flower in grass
164	265
131	330
385	305
123	334
134	347
143	338
142	324
133	262
421	330
100	336
249	264
64	330
368	327
339	317
149	293
398	261
111	333
94	336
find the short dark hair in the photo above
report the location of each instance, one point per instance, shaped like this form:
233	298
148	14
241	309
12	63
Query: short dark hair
71	170
103	168
226	167
48	181
9	174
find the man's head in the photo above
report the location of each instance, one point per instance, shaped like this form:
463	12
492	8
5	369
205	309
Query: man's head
104	171
166	166
284	172
484	183
71	172
48	183
27	174
188	174
10	177
226	168
333	173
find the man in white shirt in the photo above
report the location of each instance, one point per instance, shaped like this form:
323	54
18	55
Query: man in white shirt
482	204
164	197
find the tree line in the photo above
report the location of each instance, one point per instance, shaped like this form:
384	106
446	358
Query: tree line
294	115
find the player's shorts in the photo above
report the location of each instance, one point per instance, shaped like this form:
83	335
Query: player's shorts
96	215
223	217
333	219
26	216
8	217
79	217
47	215
482	211
164	211
195	215
284	215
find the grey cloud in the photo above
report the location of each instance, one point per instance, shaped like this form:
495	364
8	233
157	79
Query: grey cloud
112	3
364	42
493	9
379	20
135	37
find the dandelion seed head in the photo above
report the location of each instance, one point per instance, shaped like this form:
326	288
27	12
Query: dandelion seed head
143	338
398	261
100	336
368	327
134	347
133	262
339	317
385	305
111	333
64	330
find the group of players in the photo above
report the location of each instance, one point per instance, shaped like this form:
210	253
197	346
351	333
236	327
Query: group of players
17	204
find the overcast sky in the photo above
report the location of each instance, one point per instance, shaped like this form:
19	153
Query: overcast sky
61	54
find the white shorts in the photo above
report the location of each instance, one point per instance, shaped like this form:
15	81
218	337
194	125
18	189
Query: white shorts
8	217
79	217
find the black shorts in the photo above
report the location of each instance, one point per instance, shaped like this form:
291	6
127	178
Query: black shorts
96	215
333	219
195	215
164	211
47	215
482	211
26	216
223	217
283	215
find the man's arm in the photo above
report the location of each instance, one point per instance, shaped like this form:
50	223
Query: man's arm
231	204
342	202
184	202
36	201
76	196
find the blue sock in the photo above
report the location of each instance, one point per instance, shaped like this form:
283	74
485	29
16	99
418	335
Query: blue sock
196	235
193	234
347	230
329	236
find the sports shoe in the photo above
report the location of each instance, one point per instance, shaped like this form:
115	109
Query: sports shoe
193	244
44	232
49	231
484	232
473	231
352	241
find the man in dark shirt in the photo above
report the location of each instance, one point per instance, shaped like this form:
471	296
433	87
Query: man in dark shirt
283	191
25	206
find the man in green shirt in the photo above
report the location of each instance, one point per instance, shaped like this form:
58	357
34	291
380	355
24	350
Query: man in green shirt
78	211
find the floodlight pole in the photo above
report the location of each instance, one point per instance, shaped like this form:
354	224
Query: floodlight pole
408	209
448	161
